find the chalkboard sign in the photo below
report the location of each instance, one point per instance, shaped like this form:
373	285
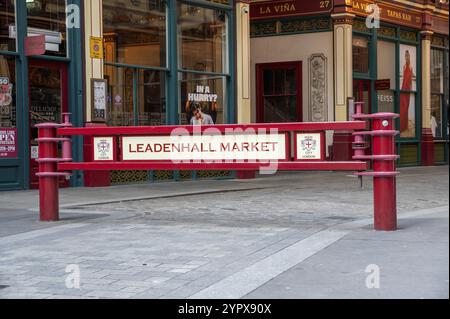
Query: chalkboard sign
99	96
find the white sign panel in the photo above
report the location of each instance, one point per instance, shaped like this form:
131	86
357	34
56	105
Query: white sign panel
103	148
309	146
234	147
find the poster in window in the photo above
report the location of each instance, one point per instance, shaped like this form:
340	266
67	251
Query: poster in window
99	100
408	82
8	143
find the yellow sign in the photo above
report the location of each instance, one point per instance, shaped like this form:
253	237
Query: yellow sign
96	48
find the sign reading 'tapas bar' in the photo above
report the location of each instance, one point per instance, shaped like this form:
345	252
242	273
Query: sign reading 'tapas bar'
277	8
391	13
245	147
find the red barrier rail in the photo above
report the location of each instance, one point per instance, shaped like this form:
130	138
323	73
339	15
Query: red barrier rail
51	166
167	130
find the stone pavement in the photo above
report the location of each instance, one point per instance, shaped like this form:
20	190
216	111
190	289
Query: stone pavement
293	235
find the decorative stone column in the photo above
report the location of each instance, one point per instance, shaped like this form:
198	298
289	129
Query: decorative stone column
343	82
93	22
93	27
427	140
243	61
243	93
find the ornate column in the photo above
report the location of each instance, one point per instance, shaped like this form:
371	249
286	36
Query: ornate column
343	81
243	61
243	109
427	140
93	22
93	27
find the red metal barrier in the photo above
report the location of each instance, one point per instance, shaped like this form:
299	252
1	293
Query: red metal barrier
384	168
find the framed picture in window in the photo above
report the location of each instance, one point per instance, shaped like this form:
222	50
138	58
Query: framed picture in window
99	100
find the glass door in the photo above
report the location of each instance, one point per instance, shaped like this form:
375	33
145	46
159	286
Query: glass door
48	100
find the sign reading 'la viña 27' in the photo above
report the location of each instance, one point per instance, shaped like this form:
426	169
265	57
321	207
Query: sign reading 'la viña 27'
272	9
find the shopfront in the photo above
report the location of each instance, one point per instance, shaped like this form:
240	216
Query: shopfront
164	60
398	63
39	65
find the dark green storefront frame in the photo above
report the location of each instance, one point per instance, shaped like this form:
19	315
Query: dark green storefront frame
373	37
75	96
173	70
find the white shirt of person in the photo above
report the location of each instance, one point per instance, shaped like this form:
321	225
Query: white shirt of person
207	120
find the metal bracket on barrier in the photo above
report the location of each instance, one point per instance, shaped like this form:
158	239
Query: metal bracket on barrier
378	133
52	139
54	174
53	160
377	174
376	157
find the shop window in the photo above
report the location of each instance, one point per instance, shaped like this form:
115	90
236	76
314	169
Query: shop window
7	92
120	96
8	124
408	86
437	93
7	24
202	99
360	55
140	105
202	36
151	98
386	71
135	32
48	17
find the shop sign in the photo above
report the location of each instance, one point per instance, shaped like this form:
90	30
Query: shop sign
389	13
34	152
202	94
99	100
310	146
35	45
381	85
276	9
96	45
8	143
230	147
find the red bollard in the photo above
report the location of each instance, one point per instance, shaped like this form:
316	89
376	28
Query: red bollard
67	143
384	183
384	172
48	177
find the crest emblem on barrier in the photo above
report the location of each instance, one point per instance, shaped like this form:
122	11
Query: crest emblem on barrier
103	147
309	144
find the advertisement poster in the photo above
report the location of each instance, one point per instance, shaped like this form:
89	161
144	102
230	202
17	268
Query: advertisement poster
408	82
201	106
99	91
8	143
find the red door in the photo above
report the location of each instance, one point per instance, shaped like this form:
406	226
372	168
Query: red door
48	100
361	92
279	92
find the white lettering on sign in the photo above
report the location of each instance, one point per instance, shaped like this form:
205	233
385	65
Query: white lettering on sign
257	147
202	94
103	148
309	146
